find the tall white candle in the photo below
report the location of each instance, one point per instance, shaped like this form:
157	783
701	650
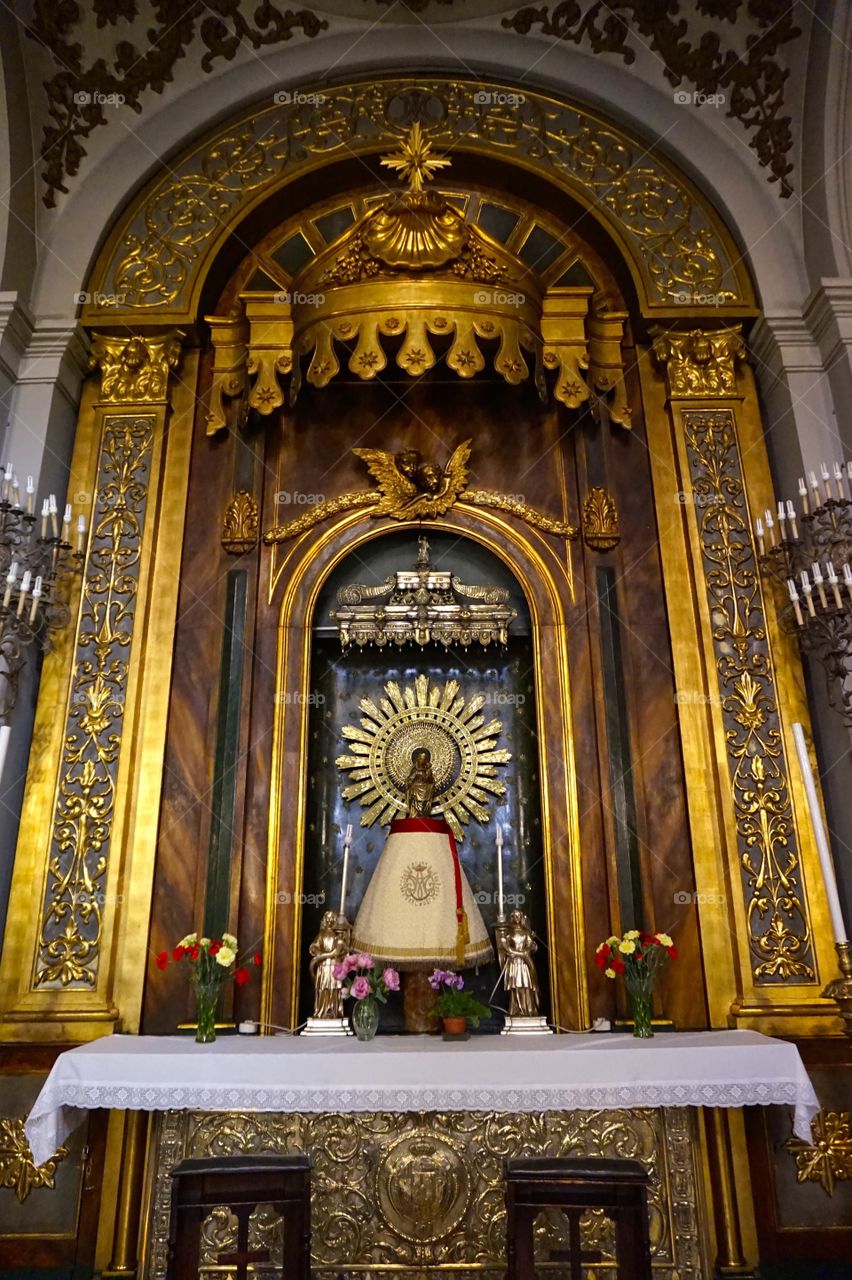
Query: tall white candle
500	870
347	840
5	734
826	863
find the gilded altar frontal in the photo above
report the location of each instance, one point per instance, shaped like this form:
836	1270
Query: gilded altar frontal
425	639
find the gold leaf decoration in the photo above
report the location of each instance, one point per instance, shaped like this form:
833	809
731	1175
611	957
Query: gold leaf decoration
777	920
240	524
600	520
827	1159
135	370
17	1171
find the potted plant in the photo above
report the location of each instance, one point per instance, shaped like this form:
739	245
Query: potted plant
638	957
368	984
212	961
455	1006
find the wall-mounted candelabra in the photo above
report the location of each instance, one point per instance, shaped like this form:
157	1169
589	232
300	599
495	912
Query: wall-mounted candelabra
808	553
37	563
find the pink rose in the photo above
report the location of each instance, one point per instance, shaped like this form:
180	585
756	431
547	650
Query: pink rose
390	978
364	961
360	988
340	971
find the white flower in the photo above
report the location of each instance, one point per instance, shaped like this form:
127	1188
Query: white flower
205	942
225	956
189	941
664	939
610	973
627	947
611	942
230	941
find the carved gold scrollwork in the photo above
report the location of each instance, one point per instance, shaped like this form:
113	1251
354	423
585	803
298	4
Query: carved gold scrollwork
240	524
701	363
777	915
827	1159
72	912
412	1191
18	1172
600	520
135	370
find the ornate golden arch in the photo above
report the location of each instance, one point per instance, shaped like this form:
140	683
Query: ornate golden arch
676	245
545	578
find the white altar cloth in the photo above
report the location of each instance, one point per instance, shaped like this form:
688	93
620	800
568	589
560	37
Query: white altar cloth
419	1073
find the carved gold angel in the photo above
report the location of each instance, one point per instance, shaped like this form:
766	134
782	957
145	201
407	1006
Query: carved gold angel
411	488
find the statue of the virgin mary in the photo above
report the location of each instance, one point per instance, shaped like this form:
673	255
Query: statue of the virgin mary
419	911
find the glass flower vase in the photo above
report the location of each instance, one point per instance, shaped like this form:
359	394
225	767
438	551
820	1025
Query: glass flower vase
641	993
206	1007
365	1018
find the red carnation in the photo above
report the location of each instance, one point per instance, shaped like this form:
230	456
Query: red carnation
162	959
241	977
602	958
617	964
257	959
215	947
194	953
179	953
672	952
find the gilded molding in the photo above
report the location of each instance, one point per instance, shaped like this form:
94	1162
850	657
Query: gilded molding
18	1172
672	237
702	363
777	918
827	1159
240	524
600	520
229	336
414	1191
68	948
135	370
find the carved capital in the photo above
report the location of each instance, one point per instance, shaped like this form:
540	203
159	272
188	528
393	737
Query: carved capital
700	364
135	369
600	520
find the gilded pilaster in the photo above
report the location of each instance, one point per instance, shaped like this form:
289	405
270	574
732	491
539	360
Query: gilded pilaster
74	890
760	896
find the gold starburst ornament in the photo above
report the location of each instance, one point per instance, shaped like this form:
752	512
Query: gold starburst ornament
462	742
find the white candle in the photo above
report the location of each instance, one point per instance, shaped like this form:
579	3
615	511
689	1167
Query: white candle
825	859
834	584
794	596
7	480
53	511
770	525
826	475
66	522
30	493
803	494
500	870
81	532
806	588
25	586
817	577
5	733
36	598
847	578
347	840
45	513
761	545
16	492
782	516
791	516
838	480
10	582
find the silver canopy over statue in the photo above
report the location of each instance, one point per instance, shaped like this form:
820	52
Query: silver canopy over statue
426	760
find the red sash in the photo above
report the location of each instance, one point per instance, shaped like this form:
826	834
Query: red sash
437	826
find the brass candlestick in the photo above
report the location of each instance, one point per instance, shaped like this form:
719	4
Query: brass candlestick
840	989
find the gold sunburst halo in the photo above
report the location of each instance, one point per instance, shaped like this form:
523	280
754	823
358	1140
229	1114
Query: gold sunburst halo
463	743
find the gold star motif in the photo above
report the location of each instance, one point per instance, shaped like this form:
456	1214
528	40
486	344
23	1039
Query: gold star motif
415	160
828	1158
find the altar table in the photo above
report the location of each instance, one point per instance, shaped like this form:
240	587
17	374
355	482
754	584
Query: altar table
420	1073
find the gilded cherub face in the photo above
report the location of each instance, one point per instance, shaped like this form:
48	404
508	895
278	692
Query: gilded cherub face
430	477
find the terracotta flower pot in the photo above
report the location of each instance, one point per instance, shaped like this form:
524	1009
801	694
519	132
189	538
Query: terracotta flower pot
455	1026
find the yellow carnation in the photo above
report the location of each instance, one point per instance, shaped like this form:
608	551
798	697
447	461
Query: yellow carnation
189	941
229	940
664	939
627	947
611	942
205	942
631	933
225	956
610	973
